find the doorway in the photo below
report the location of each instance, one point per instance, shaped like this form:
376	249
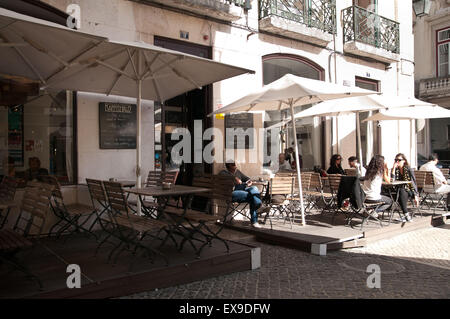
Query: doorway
182	111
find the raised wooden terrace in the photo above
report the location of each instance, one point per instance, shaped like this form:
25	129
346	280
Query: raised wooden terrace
321	235
100	279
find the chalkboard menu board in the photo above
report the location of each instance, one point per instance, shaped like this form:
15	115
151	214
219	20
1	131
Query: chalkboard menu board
117	125
242	121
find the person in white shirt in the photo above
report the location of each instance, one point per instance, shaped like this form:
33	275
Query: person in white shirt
441	184
283	165
353	163
376	173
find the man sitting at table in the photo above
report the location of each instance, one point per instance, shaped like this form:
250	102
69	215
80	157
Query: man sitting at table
244	191
441	184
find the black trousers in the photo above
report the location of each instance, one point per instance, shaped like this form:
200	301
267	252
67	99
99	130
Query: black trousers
403	198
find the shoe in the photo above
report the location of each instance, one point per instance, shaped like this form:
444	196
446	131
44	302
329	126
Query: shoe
408	217
256	225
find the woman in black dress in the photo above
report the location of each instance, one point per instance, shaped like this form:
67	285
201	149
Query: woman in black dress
335	165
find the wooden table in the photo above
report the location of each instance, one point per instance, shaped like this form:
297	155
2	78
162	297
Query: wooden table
163	195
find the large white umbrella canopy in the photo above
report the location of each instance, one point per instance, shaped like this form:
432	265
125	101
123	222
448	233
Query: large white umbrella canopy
355	105
410	113
288	92
359	104
62	58
291	90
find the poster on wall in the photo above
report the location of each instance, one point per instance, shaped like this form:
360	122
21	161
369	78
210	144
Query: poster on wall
15	135
117	125
242	122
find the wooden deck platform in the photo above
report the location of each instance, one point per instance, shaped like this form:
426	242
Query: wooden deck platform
99	279
320	235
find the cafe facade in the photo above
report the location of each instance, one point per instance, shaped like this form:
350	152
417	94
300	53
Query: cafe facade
316	39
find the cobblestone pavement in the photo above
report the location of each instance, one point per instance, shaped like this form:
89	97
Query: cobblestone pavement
413	265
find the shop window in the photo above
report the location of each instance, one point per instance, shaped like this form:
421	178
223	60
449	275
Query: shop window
369	132
40	129
310	130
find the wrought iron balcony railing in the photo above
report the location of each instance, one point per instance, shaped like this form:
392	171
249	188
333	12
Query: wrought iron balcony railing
320	14
367	27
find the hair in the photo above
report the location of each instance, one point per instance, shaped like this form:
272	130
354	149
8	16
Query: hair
375	167
334	159
352	158
404	157
229	164
433	157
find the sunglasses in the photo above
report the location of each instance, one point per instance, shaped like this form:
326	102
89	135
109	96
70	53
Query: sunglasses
339	159
399	159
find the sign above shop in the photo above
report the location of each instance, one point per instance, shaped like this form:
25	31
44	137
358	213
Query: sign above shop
117	125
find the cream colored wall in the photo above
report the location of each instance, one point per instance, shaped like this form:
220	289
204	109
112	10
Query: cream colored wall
97	163
130	21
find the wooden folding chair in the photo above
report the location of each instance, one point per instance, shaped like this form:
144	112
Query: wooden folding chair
202	226
280	191
29	224
131	229
7	193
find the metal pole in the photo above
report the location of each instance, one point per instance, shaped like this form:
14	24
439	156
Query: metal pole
358	136
138	139
297	162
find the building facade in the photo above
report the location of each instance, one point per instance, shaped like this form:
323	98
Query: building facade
432	77
368	43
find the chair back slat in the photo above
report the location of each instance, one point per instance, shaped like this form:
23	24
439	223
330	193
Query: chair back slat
445	172
315	182
116	196
281	185
429	178
8	188
306	181
350	171
333	181
420	178
97	191
34	209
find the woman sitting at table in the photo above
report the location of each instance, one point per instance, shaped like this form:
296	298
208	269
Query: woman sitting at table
401	171
335	165
376	173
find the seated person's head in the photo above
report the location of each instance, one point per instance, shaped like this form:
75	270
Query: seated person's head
34	163
352	161
231	166
336	160
433	158
281	158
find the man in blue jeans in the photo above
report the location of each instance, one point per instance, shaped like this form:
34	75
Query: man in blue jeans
244	192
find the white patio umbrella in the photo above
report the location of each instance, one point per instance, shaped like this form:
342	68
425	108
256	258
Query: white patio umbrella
62	58
355	105
288	92
429	111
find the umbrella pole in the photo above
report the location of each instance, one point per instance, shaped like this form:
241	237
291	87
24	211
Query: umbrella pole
138	143
358	136
297	162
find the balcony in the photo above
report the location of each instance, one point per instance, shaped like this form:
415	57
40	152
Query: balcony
227	10
311	21
370	35
434	88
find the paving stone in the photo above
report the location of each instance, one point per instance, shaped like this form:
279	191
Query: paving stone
413	265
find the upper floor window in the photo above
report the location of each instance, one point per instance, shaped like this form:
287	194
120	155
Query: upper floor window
276	65
443	52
